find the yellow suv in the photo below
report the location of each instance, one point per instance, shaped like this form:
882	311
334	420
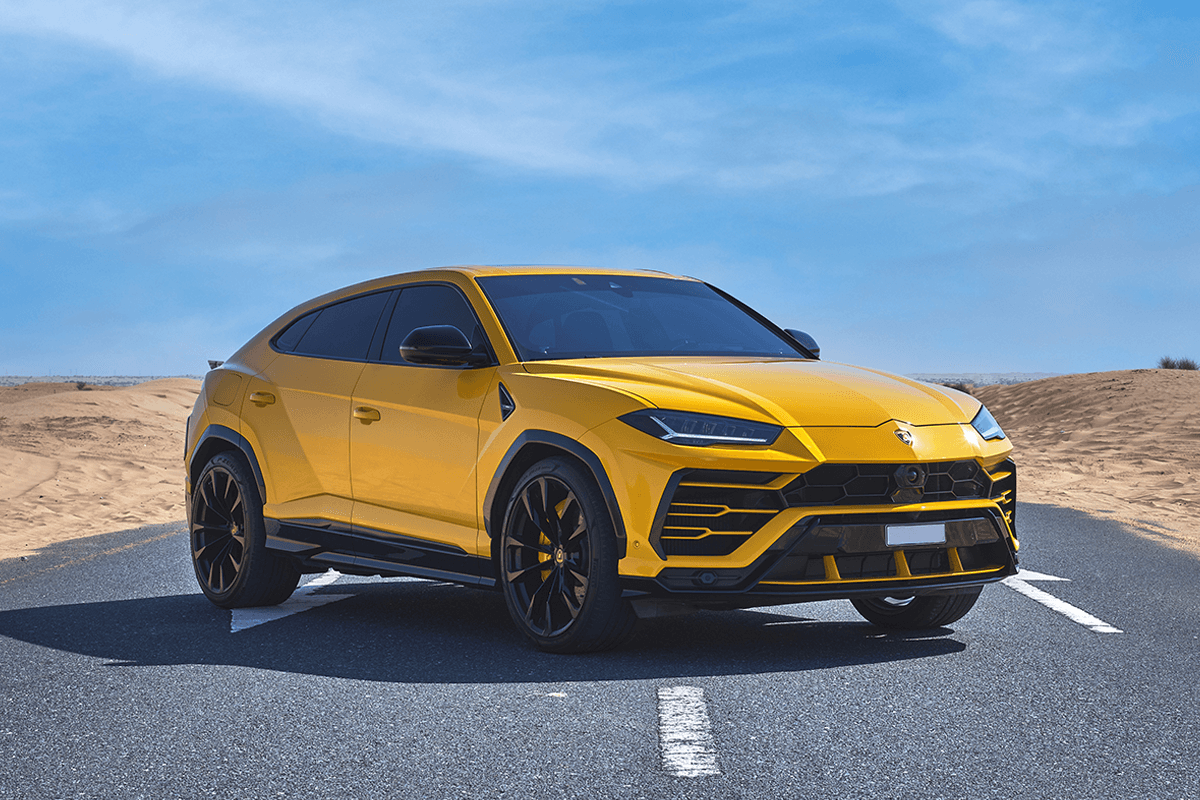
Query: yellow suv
600	445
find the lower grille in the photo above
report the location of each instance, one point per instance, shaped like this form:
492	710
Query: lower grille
799	568
712	513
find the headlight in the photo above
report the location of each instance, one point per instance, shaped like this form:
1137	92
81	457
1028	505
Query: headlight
700	430
986	424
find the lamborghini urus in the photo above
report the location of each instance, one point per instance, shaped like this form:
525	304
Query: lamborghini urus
598	445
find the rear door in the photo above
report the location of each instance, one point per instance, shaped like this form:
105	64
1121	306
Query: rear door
297	412
413	468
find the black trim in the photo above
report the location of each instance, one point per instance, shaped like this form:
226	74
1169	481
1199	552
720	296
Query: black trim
660	516
507	404
364	551
574	448
222	433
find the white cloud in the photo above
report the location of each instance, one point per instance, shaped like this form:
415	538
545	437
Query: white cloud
481	81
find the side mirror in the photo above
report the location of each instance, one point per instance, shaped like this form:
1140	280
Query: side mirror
805	341
441	345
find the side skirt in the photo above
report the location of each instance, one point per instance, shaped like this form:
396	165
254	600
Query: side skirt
319	544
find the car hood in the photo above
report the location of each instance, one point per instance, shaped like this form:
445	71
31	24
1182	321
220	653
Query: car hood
788	392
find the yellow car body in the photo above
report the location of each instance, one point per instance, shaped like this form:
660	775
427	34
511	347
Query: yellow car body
409	469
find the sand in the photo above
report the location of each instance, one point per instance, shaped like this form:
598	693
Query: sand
1118	445
83	462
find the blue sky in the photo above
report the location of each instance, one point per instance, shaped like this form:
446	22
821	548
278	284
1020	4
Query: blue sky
924	187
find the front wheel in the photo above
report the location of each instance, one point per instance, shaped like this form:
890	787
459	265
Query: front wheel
229	553
925	611
558	562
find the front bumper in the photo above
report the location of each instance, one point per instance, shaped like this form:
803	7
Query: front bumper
831	556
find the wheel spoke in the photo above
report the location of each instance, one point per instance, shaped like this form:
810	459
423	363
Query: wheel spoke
580	529
208	496
580	578
535	505
523	572
237	504
512	542
541	597
571	600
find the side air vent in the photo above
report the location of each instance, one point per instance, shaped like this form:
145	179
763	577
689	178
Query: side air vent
1004	490
713	512
507	404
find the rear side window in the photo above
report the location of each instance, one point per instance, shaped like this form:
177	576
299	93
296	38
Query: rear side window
434	304
342	330
288	340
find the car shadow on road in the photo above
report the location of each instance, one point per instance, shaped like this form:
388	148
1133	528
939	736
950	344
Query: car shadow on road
420	632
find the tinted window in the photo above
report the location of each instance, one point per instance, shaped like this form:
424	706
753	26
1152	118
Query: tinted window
581	316
420	306
343	330
287	340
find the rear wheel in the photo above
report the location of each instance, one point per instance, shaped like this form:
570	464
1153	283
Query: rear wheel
233	566
925	611
558	562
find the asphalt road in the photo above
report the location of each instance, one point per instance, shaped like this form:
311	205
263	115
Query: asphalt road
119	680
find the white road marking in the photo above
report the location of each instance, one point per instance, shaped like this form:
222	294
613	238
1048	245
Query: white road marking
1030	575
684	732
301	600
1018	583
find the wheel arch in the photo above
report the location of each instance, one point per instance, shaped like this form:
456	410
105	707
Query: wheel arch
531	447
219	439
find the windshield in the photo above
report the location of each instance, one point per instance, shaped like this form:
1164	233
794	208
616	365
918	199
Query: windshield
592	316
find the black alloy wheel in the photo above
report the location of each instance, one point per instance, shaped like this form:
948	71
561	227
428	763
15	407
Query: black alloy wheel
558	562
228	539
924	611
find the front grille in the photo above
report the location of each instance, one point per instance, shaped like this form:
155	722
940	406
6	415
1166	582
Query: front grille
713	512
878	484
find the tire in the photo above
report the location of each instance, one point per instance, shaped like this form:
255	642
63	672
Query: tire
229	553
558	562
925	611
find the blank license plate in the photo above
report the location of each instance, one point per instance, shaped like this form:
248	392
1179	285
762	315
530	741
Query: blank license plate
934	533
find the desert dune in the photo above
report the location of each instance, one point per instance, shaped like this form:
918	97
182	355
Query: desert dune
82	462
1119	445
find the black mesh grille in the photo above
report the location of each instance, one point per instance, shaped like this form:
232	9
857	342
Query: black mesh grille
877	484
712	513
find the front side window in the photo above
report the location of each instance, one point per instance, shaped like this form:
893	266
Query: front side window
432	304
589	316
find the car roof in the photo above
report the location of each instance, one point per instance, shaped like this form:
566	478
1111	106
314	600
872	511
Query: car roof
481	270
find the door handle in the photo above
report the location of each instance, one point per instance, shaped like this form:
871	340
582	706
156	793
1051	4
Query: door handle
366	415
261	399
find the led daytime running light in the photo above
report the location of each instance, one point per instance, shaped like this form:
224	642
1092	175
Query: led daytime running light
701	430
986	425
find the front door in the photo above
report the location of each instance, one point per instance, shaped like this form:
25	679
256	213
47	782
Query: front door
414	438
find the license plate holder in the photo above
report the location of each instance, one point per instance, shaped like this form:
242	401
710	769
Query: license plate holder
922	533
